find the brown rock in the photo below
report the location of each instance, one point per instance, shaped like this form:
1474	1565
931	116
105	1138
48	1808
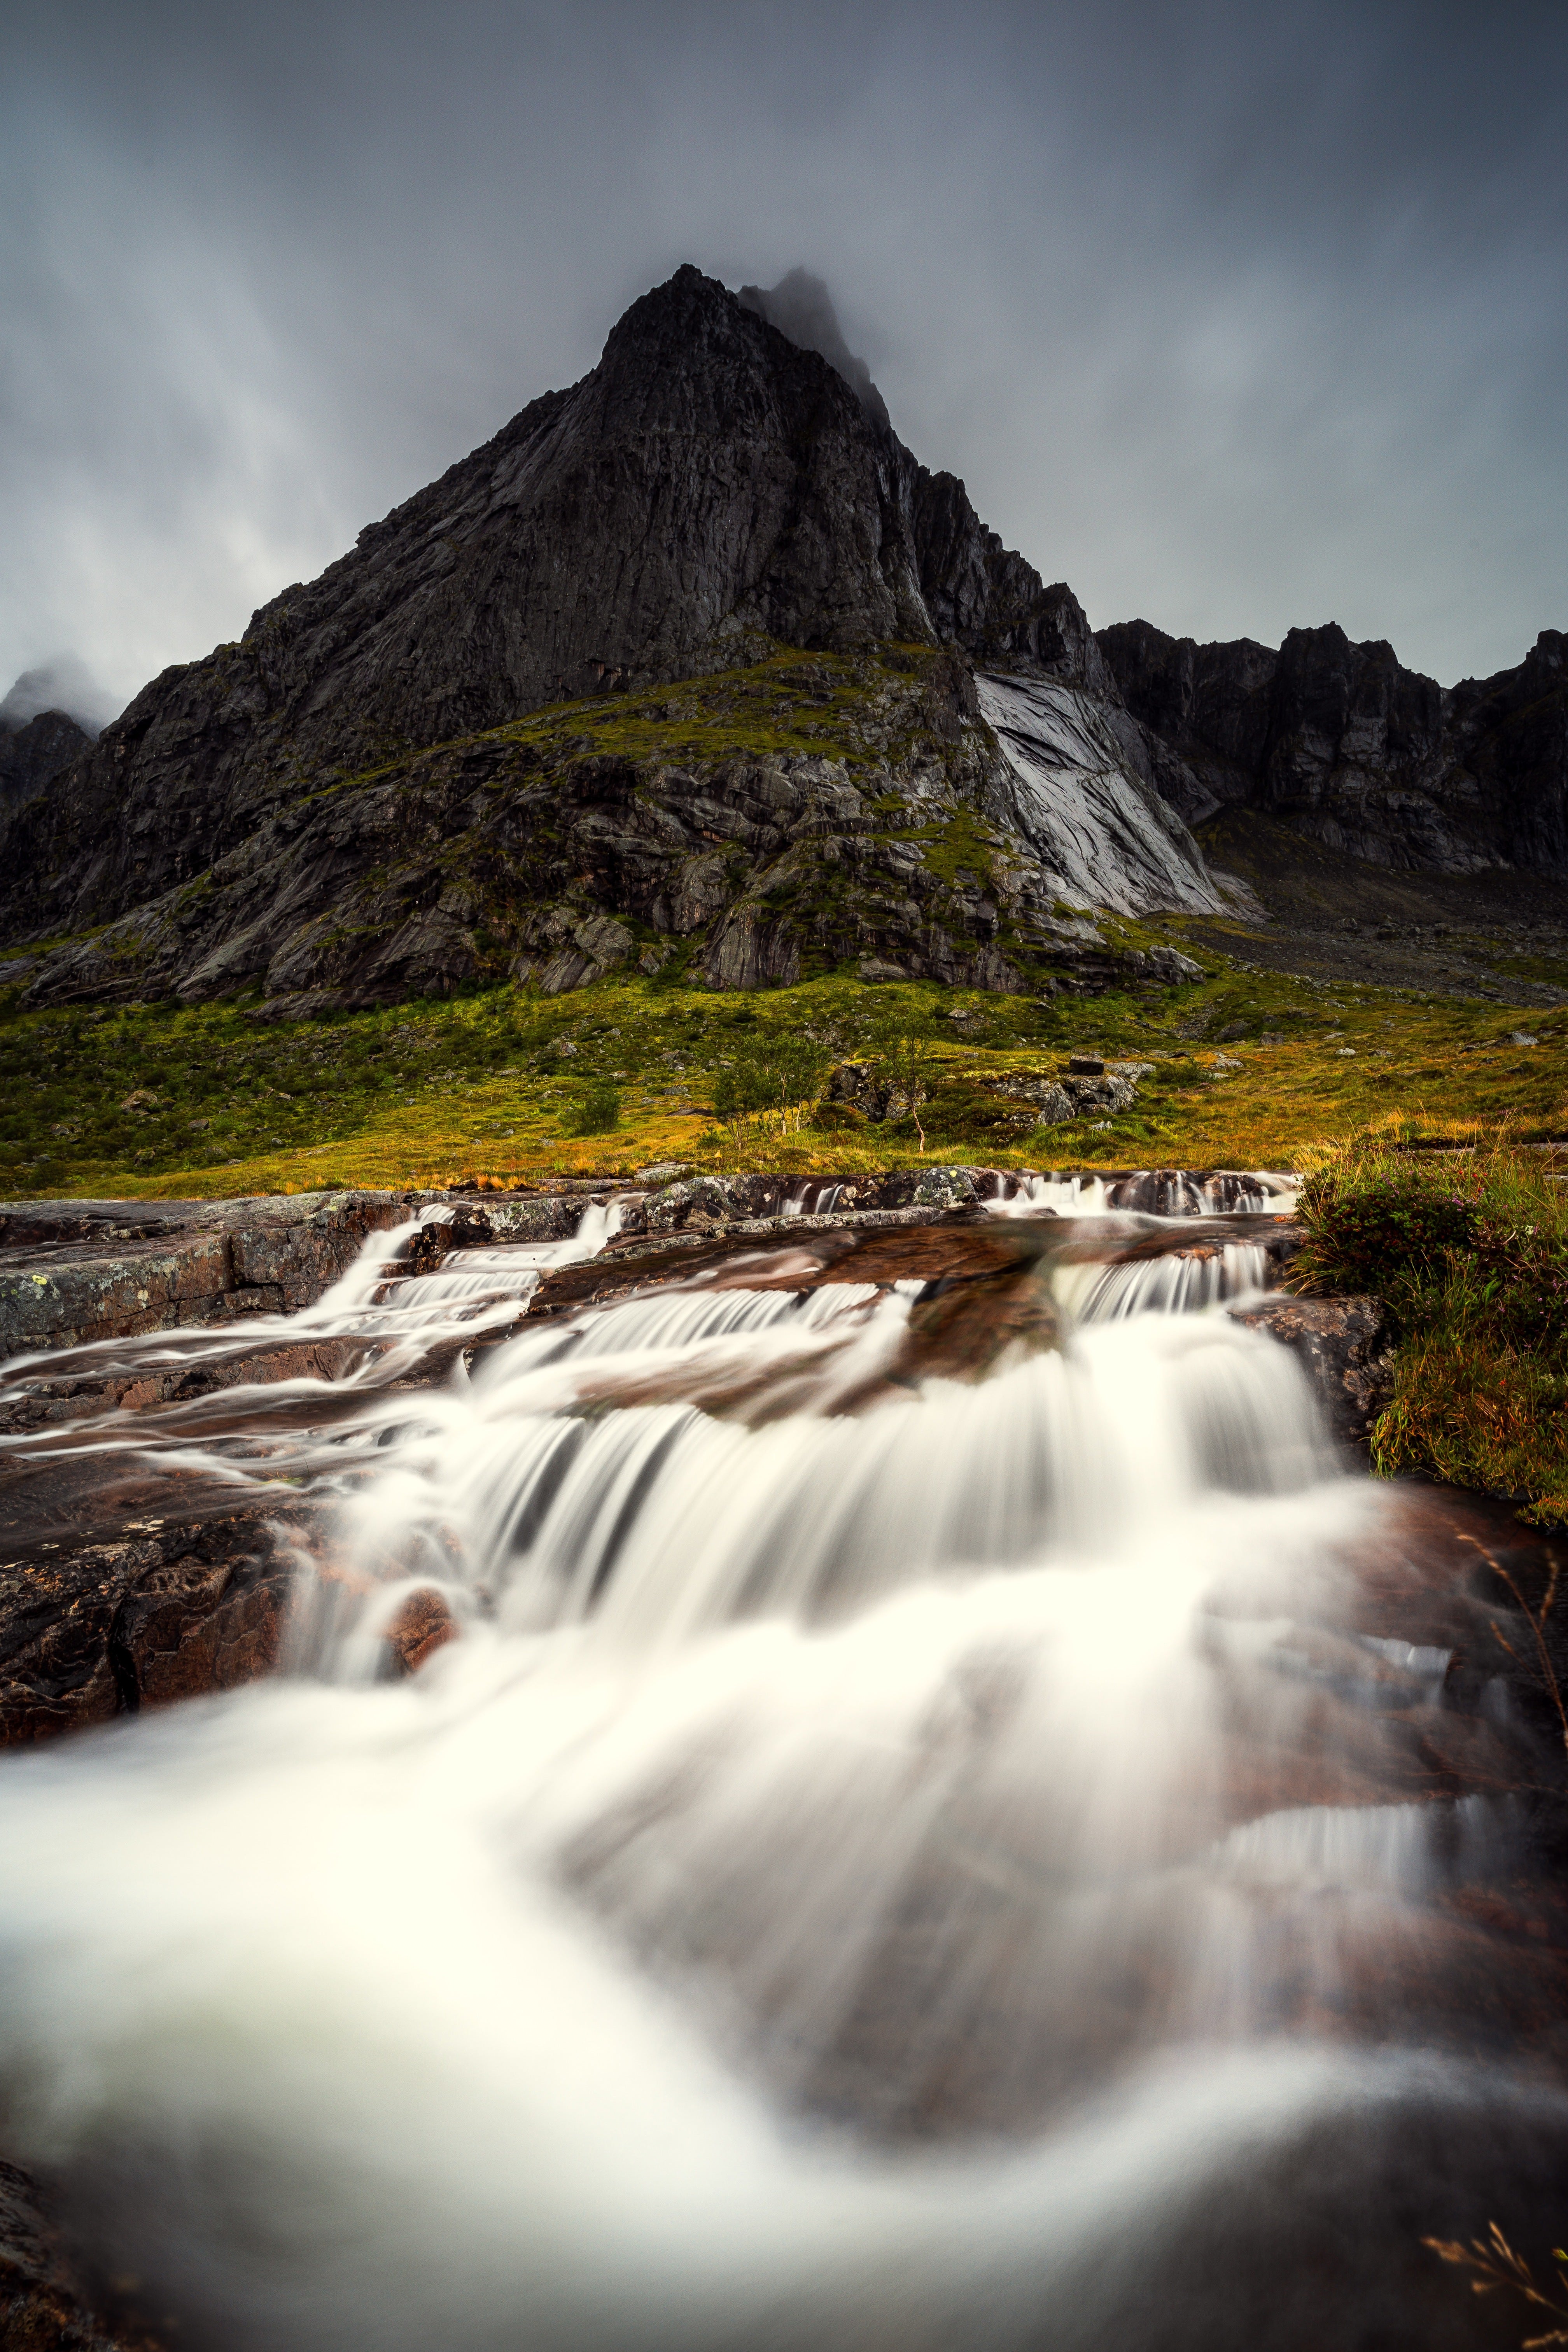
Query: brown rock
43	2305
422	1626
167	1612
1345	1347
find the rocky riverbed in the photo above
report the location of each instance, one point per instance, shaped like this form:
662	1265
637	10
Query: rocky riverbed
124	1586
199	1399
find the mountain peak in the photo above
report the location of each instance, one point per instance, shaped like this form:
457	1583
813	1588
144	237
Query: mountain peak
63	685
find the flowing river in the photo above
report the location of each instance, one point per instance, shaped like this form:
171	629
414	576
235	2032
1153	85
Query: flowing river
884	1866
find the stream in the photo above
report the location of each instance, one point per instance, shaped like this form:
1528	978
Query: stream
889	1862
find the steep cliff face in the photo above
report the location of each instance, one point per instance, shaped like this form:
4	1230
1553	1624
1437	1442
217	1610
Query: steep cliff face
1342	741
1508	733
713	490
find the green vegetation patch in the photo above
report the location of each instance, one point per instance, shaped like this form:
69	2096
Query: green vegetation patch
855	708
1470	1254
1250	1070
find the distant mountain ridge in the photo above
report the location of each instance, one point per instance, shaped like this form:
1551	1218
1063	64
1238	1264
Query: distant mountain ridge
47	719
34	753
1344	744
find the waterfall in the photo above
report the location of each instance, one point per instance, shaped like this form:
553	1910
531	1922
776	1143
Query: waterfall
937	1870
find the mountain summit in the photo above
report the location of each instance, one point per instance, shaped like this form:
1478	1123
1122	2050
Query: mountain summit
801	307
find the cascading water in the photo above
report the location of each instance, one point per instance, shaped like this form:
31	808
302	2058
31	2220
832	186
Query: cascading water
937	1874
1168	1285
1162	1191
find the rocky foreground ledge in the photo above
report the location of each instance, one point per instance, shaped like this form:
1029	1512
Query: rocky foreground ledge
126	1585
76	1271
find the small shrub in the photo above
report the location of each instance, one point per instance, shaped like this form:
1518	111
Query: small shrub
769	1085
599	1112
1369	1226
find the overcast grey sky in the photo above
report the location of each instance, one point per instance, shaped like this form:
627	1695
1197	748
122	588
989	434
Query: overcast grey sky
1234	316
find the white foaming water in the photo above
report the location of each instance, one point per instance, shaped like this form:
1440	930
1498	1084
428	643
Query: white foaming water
793	1792
1164	1192
388	1324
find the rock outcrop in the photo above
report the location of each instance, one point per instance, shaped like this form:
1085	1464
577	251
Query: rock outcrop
887	827
1344	1346
76	1272
1343	743
44	2305
712	489
72	1272
1102	833
158	1612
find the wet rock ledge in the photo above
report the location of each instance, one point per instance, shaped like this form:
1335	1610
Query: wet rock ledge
120	1593
74	1271
80	1270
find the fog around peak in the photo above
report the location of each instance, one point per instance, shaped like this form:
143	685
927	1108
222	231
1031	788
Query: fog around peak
801	307
62	683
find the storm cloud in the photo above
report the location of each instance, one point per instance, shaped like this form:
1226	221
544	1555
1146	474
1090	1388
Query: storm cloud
1234	319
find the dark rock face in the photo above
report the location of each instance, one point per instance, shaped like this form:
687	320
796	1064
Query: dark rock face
714	487
73	1273
76	1271
32	756
551	861
800	307
162	1613
1346	1350
45	2306
1342	741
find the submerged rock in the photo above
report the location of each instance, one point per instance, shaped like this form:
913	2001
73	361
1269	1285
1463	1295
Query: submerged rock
423	1625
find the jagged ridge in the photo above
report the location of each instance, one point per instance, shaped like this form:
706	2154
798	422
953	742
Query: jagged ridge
1344	742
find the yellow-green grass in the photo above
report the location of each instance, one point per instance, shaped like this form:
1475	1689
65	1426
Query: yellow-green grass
424	1093
862	709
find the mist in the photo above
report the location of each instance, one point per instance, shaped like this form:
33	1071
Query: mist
1233	321
65	683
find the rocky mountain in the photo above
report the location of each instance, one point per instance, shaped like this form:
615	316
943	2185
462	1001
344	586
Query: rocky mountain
352	798
65	684
800	307
1344	744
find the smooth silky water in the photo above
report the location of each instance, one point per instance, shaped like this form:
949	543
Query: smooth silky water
875	1878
